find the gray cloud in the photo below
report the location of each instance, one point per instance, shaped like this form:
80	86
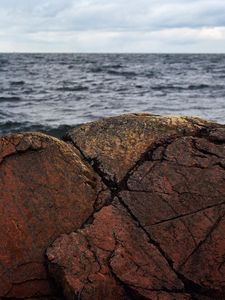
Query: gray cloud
121	25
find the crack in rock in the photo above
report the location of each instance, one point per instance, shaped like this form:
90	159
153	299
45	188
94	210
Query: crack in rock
138	198
45	190
184	172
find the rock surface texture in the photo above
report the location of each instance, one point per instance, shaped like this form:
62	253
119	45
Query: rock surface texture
161	235
137	203
115	144
45	190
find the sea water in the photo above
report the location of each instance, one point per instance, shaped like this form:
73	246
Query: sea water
53	92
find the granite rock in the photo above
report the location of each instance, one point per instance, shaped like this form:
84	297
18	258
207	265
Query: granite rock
128	207
45	190
161	235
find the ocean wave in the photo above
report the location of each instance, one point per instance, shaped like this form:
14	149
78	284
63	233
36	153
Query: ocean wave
116	66
150	74
122	73
199	86
20	82
10	99
19	127
167	87
106	68
179	88
97	70
37	88
3	61
139	86
78	88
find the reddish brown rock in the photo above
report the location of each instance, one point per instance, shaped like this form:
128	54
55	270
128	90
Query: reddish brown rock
179	198
45	190
156	231
164	236
115	144
110	257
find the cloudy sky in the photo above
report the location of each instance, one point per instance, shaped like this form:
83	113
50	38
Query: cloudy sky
112	26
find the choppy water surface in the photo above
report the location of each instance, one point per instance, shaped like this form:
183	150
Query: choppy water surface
51	92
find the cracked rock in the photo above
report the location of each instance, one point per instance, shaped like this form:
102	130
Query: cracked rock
161	237
115	144
111	259
180	201
45	190
131	207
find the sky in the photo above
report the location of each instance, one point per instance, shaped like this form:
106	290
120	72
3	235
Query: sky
141	26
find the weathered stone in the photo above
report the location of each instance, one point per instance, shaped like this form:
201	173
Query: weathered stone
45	190
163	238
179	198
93	262
115	144
154	231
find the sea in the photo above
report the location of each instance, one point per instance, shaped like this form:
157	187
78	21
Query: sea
53	92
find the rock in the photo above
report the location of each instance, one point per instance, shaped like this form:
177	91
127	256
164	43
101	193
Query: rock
125	138
111	251
161	235
131	207
179	199
45	190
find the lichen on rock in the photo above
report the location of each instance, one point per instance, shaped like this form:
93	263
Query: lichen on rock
129	207
162	238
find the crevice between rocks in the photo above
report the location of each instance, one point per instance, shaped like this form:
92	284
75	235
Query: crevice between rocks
190	287
95	165
115	188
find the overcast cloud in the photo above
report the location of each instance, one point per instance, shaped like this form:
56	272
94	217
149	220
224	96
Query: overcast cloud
116	26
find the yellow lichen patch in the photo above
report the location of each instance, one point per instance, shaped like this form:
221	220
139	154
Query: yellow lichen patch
118	142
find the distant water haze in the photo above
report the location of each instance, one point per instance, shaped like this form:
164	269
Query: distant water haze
53	92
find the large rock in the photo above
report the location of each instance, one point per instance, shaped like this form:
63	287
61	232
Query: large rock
115	144
111	259
45	190
179	199
161	236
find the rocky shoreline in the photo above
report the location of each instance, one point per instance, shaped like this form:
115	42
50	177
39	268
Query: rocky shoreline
128	207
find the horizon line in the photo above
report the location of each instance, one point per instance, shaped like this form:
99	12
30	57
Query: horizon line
97	52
